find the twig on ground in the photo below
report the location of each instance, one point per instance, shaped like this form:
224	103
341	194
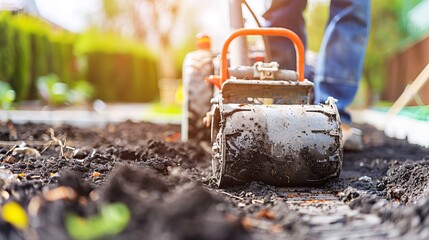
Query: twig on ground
230	195
11	150
56	141
16	143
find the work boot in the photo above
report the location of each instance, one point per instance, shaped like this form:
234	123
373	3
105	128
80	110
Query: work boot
352	138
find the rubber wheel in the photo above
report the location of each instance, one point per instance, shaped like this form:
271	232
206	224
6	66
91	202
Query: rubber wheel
220	179
197	94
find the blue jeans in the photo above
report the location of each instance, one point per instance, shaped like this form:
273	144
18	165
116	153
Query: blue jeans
340	61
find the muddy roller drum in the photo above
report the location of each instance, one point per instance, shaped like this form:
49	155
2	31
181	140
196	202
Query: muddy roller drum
267	130
293	145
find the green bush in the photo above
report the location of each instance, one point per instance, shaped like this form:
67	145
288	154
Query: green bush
30	48
62	55
21	80
120	69
39	60
7	53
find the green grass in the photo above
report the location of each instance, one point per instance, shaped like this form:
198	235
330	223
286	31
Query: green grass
416	112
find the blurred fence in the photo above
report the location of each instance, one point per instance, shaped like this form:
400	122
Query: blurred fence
403	67
29	48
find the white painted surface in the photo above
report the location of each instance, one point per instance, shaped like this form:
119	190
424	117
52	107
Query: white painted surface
400	127
113	113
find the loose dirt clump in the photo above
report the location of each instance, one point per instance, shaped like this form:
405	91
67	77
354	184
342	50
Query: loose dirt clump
408	182
152	186
156	207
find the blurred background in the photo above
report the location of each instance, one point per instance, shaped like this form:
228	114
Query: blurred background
72	52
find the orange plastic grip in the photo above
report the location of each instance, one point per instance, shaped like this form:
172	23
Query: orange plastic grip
299	47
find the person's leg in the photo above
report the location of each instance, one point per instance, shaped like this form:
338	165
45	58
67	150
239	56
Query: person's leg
340	61
286	14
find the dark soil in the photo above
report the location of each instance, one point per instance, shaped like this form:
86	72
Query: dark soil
166	186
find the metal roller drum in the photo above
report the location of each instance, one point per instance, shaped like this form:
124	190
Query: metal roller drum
264	126
282	145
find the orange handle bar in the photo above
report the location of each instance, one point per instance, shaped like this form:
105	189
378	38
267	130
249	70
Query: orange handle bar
299	47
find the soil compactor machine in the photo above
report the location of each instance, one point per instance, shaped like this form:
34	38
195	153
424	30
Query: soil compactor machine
263	125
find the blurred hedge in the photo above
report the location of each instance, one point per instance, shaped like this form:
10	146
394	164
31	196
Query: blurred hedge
120	70
28	50
7	53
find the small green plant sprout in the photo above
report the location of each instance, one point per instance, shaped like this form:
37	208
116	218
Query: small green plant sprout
7	95
55	92
52	90
112	219
81	92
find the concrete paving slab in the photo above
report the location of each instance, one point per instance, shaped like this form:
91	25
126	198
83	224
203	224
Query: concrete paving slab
101	115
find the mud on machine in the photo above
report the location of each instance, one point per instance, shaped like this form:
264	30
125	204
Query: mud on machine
263	125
